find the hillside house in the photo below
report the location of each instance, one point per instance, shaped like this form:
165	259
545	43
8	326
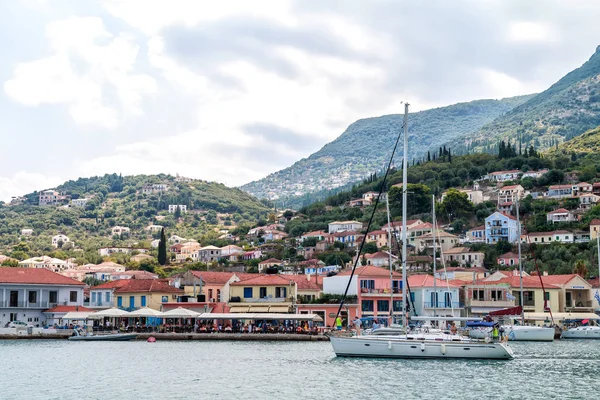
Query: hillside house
510	193
476	235
444	242
338	226
155	188
396	226
503	176
588	200
209	254
349	238
500	226
174	207
107	251
79	202
174	239
559	191
508	259
419	264
594	229
271	262
464	257
46	262
50	197
582	188
187	252
319	235
474	195
380	259
26	232
534	174
561	215
120	230
370	196
59	241
379	237
548	237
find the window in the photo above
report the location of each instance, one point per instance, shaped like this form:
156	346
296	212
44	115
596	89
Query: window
396	286
73	296
280	292
383	305
547	296
107	297
93	297
143	301
434	299
496	295
53	296
367	284
32	296
120	301
398	305
210	293
263	292
218	294
412	296
165	299
367	305
247	292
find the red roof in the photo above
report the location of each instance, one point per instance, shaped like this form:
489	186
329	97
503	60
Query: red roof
265	280
399	223
560	211
423	280
511	187
315	233
346	233
556	187
306	282
66	309
510	254
595	222
141	274
213	277
593	282
378	232
370	271
379	254
271	261
35	276
558	279
532	282
139	285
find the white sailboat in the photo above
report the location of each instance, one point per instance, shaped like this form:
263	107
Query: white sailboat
420	344
590	331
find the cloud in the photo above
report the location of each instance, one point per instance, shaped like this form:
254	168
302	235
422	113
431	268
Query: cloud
273	135
90	70
25	182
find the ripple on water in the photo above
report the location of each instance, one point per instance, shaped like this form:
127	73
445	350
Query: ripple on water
307	370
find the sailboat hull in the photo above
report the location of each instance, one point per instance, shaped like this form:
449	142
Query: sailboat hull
389	347
520	333
582	332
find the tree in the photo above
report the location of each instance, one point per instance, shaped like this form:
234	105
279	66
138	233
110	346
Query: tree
370	248
428	156
162	248
580	268
456	204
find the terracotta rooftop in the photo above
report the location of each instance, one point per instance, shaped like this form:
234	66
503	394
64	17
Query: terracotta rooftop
379	254
423	280
306	282
271	261
213	277
510	254
370	271
35	276
532	282
66	309
560	211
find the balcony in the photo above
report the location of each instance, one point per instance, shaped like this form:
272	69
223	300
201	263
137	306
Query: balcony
23	304
492	303
444	305
586	305
379	292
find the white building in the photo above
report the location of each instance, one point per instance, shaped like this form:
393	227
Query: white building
464	256
499	226
107	251
154	228
155	188
79	202
209	254
174	239
45	262
561	215
174	207
26	232
503	176
120	230
25	293
182	179
60	240
50	197
154	244
338	226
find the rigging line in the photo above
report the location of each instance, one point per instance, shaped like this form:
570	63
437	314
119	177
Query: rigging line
362	243
410	300
443	261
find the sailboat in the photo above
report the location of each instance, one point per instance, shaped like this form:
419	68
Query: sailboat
586	331
420	344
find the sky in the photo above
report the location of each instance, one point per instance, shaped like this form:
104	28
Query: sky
231	91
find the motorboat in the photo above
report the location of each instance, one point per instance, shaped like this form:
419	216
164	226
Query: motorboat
516	332
108	337
419	345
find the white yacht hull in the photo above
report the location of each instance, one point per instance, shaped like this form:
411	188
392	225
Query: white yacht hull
521	333
393	347
582	332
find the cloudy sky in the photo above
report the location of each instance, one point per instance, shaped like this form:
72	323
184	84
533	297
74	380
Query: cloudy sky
233	90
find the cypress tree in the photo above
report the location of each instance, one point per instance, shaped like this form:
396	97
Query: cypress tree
449	156
428	156
162	248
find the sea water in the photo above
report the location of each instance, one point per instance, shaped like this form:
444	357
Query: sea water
57	369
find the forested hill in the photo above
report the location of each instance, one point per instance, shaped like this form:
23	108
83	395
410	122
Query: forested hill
565	110
88	208
365	146
588	143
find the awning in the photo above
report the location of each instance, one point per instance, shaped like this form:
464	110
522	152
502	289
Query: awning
561	316
262	316
259	309
239	309
77	315
507	311
279	309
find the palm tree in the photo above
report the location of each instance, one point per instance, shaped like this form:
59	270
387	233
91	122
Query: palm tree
580	268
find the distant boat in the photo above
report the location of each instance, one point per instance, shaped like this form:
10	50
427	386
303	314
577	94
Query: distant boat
108	337
582	332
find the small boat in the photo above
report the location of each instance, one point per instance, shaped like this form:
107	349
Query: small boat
582	332
108	337
419	346
521	333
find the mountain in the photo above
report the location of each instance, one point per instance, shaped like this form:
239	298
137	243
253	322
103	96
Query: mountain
365	147
567	109
135	202
587	143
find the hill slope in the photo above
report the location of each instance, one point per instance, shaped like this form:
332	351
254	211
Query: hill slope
568	108
131	202
365	147
587	143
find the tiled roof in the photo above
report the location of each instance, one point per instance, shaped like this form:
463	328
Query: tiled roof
304	283
510	254
379	254
558	279
378	232
141	274
512	187
35	276
66	309
315	233
140	285
595	222
530	282
459	250
346	233
560	211
266	280
464	269
213	277
270	261
423	280
512	171
556	187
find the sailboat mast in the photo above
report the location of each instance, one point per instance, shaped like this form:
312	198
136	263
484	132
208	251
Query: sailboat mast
434	252
404	201
387	206
520	263
598	245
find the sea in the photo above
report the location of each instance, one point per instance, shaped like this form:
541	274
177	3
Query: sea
60	369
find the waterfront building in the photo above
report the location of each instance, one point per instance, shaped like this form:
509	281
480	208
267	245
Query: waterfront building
131	294
445	299
467	274
26	292
263	293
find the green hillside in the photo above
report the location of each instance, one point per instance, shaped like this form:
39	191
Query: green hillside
365	147
115	200
567	109
588	143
